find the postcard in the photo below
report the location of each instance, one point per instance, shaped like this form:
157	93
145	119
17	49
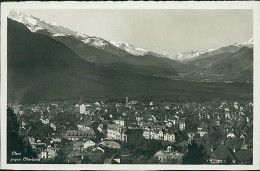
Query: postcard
130	85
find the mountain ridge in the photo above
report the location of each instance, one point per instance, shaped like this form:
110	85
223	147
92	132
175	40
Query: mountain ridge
118	48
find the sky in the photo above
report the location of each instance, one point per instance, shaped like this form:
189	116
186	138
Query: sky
168	31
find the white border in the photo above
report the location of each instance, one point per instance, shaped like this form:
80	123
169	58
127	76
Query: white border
5	7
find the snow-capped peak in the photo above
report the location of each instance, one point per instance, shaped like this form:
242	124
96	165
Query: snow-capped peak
58	35
130	48
189	55
29	21
34	24
96	42
248	43
82	35
54	24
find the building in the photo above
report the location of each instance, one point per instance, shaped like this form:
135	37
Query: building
82	109
132	102
110	144
169	137
169	156
126	101
222	155
126	157
153	134
88	144
244	155
231	135
75	135
84	126
119	122
182	124
77	146
116	132
157	132
202	130
51	153
96	157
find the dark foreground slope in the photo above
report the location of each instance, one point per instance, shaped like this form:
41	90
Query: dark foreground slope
41	68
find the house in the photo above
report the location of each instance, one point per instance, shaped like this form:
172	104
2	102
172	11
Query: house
77	146
98	148
244	155
51	153
222	155
110	144
181	124
202	130
45	121
75	135
84	126
133	102
116	132
126	157
169	124
119	122
53	126
88	144
139	118
96	157
231	135
152	118
153	134
169	137
82	109
167	156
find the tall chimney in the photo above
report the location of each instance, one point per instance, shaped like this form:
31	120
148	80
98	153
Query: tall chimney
126	101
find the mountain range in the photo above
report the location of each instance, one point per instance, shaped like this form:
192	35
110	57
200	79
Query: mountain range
42	55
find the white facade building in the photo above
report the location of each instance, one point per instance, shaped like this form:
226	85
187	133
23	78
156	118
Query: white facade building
116	132
82	108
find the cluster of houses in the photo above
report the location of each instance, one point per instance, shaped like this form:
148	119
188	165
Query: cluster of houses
135	116
45	151
225	155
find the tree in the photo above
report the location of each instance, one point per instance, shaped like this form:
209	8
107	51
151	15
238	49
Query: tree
229	160
60	158
141	160
15	142
152	160
196	154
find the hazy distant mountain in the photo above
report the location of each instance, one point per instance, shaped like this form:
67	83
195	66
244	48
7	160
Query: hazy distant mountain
235	65
233	61
195	55
189	55
135	50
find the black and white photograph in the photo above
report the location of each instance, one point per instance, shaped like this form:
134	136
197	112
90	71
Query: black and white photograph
151	86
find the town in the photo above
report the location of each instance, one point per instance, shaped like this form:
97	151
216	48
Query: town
136	131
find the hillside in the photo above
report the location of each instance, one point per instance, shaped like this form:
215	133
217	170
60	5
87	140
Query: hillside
238	63
97	50
41	68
